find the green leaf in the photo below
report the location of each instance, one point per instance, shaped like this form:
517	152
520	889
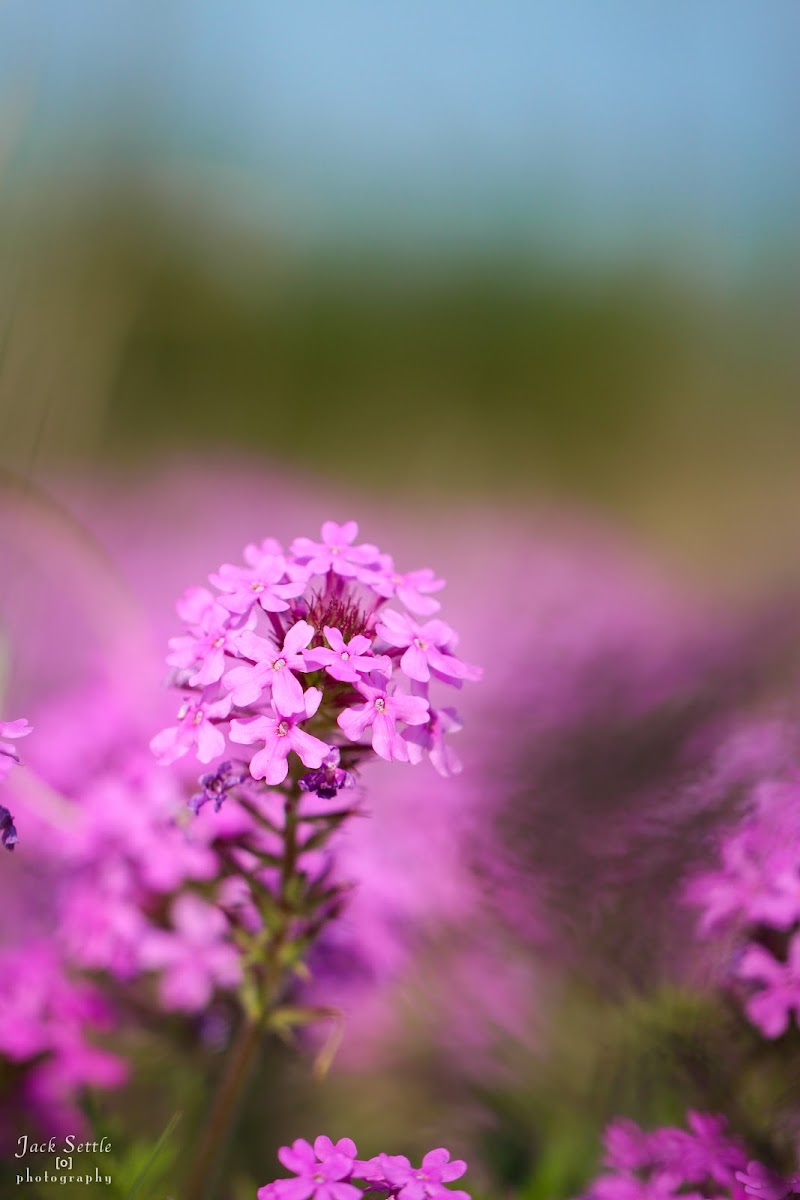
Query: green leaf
159	1146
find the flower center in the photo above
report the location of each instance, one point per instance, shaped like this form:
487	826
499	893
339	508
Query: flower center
279	664
219	642
319	1177
419	642
344	656
255	586
283	729
336	549
198	717
380	704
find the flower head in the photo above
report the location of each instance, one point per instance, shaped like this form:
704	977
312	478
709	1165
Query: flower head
297	654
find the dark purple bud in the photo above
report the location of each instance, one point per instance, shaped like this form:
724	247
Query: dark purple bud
216	785
329	779
7	829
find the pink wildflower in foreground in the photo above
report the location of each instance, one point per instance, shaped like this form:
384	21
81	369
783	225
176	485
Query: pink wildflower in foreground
275	653
295	661
331	1171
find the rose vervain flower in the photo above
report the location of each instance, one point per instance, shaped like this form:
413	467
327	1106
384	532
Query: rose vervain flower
297	652
281	733
331	1171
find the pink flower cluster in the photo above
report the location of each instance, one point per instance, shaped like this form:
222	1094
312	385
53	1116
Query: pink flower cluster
298	647
699	1162
332	1171
131	888
8	756
45	1017
755	892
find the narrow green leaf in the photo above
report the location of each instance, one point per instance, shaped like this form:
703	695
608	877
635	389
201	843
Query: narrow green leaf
159	1146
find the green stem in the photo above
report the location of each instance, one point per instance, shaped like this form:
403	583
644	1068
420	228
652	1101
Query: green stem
242	1058
224	1113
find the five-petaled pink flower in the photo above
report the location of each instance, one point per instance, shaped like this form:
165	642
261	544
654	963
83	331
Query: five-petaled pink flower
280	733
267	580
321	1172
346	661
771	1006
382	711
336	551
210	637
412	588
195	730
427	648
272	670
422	1183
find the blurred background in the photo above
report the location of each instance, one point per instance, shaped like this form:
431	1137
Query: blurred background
515	249
466	265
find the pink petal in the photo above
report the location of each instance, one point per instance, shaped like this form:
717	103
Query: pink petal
414	664
310	750
355	720
313	699
298	637
210	742
287	693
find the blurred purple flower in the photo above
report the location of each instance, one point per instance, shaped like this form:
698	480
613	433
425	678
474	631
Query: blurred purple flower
329	779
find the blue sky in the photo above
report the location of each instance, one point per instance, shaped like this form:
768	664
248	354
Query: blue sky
605	121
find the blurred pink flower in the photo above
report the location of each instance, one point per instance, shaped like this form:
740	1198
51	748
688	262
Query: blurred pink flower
193	956
777	996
